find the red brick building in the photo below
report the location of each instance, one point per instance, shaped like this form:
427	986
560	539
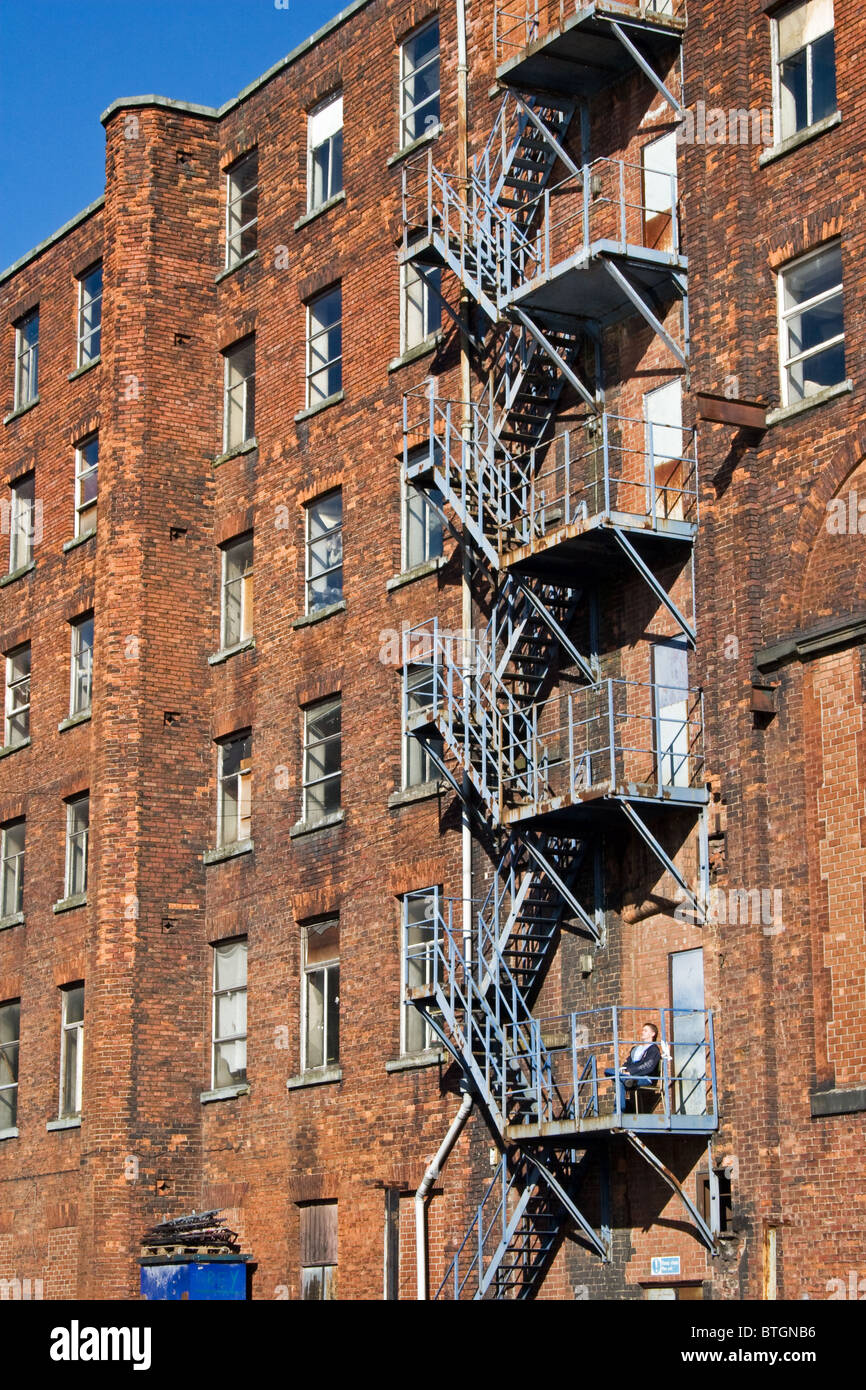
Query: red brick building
463	675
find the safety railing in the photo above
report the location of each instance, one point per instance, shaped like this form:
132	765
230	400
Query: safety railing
495	1220
519	23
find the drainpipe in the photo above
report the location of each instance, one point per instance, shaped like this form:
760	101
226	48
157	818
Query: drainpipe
432	1173
466	429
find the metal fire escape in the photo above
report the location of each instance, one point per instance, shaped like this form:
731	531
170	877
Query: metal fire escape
546	751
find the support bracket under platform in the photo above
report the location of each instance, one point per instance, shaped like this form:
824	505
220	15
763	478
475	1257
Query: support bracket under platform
664	858
562	888
646	68
568	372
658	589
574	1212
655	1162
559	633
644	310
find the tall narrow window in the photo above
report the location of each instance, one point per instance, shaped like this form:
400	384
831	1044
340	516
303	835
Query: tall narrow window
321	995
419	84
418	766
240	394
325	551
319	1252
81	682
89	315
422	525
805	65
325	346
325	146
21	522
86	483
229	1056
242	208
812	324
77	832
237	591
12	853
235	790
18	696
71	1051
419	911
421	315
10	1032
27	359
323	770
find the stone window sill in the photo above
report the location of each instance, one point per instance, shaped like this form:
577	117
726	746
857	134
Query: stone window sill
74	1122
802	137
320	405
320	614
216	856
85	367
322	208
21	410
79	540
248	645
425	791
237	265
419	144
838	1102
416	572
68	904
317	1076
74	720
431	1058
237	452
225	1093
17	574
15	919
308	827
787	412
14	747
9	1133
419	350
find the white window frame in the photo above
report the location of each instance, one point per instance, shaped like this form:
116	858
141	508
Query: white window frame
244	387
86	300
244	581
15	858
427	765
66	1029
330	968
22	519
73	836
428	308
243	788
81	665
429	1038
311	712
13	1045
319	116
84	471
235	194
218	1039
407	110
310	547
315	332
14	684
785	362
779	135
411	491
26	376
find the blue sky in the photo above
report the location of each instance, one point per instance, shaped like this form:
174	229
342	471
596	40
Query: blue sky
63	61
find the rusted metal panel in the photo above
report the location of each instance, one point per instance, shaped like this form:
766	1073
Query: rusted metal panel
727	411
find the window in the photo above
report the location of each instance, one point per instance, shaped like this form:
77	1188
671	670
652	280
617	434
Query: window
418	765
235	789
229	1066
805	65
81	683
319	1252
421	315
325	346
419	911
86	480
240	393
242	208
722	1183
237	591
77	831
419	84
321	995
10	1032
322	760
18	696
812	324
325	551
89	315
12	855
21	522
71	1051
325	145
422	525
26	359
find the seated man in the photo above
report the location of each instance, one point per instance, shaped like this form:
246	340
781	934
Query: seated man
642	1066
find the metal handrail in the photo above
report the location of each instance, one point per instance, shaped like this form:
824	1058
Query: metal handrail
516	26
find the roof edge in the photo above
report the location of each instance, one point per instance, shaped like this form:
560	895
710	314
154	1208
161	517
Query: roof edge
50	240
